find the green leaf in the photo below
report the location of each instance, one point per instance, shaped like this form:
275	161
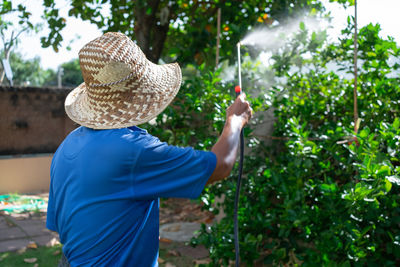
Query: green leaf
384	170
388	185
328	187
267	173
281	253
302	26
396	123
364	133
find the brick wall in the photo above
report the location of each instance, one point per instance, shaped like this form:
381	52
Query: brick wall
32	120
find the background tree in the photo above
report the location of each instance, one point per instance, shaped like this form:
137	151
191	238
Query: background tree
72	73
11	31
178	30
28	72
71	77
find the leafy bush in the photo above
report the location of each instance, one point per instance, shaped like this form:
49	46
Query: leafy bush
197	115
311	199
320	194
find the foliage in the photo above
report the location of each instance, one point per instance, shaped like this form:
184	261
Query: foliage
177	30
71	75
313	200
10	31
24	24
28	72
345	2
203	97
6	7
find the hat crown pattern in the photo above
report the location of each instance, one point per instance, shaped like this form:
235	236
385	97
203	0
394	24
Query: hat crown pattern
110	59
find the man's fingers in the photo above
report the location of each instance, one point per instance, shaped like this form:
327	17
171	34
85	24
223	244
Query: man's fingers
242	107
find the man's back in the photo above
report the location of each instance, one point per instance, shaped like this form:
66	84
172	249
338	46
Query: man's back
104	193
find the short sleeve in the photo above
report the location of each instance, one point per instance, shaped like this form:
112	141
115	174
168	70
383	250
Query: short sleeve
169	171
50	219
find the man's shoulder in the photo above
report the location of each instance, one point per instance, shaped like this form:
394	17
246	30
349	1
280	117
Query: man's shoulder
119	140
127	134
91	140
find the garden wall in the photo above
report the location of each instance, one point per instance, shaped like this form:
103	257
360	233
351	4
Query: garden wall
32	119
25	174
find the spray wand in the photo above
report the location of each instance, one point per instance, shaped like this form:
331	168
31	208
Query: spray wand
238	91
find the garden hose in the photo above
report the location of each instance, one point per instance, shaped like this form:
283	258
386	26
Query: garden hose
237	194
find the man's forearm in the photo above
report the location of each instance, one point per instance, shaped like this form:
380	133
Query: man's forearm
237	114
226	148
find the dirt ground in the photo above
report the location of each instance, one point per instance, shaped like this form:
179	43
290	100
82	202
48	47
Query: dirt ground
183	210
176	253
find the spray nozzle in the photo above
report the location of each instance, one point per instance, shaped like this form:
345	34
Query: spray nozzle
238	90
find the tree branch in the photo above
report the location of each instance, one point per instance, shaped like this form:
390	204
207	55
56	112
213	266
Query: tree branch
10	42
21	31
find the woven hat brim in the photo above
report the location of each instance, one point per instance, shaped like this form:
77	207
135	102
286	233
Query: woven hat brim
84	111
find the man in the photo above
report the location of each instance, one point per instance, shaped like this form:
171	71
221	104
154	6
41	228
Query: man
108	175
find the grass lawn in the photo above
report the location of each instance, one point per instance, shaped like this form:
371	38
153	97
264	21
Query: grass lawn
167	255
45	257
50	256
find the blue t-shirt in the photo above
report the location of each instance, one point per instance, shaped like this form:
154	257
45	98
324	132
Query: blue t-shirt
105	189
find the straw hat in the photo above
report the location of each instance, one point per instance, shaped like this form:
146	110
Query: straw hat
121	87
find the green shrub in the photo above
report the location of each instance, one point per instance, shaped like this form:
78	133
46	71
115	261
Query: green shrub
320	194
310	199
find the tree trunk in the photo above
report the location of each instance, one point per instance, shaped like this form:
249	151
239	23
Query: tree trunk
6	57
3	73
150	33
160	35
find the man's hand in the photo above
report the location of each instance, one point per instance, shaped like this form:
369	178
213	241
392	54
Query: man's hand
237	116
240	111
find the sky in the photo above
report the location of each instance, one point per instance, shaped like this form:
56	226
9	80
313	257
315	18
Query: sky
77	32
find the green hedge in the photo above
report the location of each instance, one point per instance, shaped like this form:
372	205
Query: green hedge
308	198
